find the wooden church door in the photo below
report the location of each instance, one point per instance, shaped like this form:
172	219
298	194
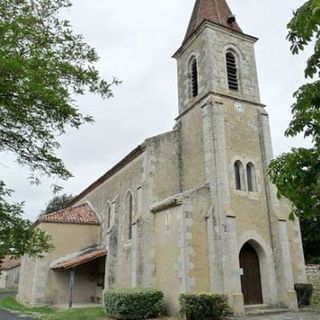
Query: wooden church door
250	275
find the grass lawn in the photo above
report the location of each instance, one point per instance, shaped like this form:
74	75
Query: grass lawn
52	314
76	314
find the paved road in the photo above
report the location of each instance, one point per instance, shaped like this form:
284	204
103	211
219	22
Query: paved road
4	315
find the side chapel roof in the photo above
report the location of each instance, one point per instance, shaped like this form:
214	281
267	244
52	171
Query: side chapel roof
82	214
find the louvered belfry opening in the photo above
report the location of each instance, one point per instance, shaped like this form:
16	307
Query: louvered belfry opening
232	71
194	78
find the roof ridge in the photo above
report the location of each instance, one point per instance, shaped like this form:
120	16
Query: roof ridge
218	13
65	209
198	9
116	168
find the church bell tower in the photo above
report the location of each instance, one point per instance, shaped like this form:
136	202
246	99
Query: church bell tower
226	146
216	57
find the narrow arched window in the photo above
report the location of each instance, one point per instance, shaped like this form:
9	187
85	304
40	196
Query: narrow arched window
232	71
239	175
129	217
251	177
108	217
194	78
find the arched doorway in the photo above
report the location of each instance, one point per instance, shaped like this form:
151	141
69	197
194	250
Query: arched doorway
250	275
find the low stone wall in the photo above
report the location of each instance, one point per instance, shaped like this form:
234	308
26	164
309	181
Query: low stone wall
313	274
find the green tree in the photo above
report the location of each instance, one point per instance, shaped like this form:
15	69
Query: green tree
58	203
43	66
297	173
17	235
310	230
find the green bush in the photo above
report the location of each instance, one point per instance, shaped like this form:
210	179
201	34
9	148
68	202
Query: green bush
204	306
134	304
304	293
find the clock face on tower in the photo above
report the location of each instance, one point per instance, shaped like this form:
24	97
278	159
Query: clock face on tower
238	107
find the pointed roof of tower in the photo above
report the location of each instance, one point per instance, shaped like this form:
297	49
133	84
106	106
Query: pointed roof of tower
216	11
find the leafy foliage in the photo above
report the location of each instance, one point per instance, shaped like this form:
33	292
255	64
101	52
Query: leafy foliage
43	66
58	203
297	173
302	29
17	235
297	176
134	304
204	306
310	230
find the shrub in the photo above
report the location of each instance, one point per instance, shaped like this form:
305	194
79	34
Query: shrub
134	304
204	306
304	293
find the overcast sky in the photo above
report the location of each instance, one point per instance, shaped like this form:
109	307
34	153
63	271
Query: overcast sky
135	40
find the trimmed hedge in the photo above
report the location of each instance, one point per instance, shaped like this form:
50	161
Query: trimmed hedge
134	304
304	293
204	306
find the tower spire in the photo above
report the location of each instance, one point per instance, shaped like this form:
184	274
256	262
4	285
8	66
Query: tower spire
216	11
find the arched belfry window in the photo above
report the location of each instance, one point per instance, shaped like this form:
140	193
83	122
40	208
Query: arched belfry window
239	175
251	177
232	71
129	215
194	77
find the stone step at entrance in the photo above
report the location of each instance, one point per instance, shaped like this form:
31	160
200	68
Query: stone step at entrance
262	309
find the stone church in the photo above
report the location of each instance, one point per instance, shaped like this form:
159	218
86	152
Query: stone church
190	210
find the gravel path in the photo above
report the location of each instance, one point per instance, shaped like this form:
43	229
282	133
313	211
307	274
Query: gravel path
286	316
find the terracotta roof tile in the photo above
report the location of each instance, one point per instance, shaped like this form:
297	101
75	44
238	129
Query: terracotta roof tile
82	258
82	214
9	263
216	11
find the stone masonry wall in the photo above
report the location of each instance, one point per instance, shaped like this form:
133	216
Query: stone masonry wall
313	274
